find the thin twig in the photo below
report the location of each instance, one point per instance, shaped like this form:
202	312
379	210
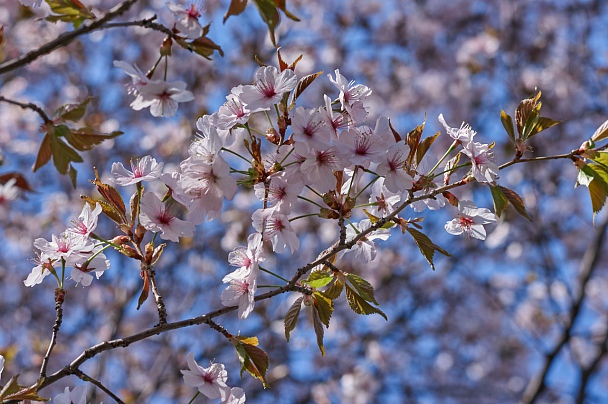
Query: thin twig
65	38
538	384
28	105
160	305
56	326
83	376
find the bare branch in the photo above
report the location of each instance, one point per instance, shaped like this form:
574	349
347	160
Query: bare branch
83	376
28	105
59	296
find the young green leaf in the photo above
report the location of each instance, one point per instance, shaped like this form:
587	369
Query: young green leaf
291	318
598	187
113	197
253	359
335	289
600	133
63	155
359	305
522	113
531	122
542	124
86	138
363	287
72	11
13	392
318	279
270	15
507	123
281	6
318	327
500	202
515	200
71	112
324	306
424	146
44	152
426	246
303	83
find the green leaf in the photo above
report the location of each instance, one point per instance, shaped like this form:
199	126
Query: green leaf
424	146
363	287
507	123
600	133
598	187
515	200
270	15
254	360
303	83
318	327
542	124
500	202
86	138
523	111
412	139
426	246
359	305
335	289
112	196
318	279
325	307
63	154
291	318
73	174
106	208
236	7
531	122
12	391
71	11
71	112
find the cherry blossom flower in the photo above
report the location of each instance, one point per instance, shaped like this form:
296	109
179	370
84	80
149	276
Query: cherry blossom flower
208	144
40	271
86	222
392	168
146	169
210	381
240	292
139	79
206	185
281	194
470	221
234	111
361	144
68	246
269	87
384	200
155	216
464	134
236	396
438	201
82	273
320	165
248	257
309	128
31	3
365	248
351	95
333	121
275	227
482	158
187	19
162	97
76	396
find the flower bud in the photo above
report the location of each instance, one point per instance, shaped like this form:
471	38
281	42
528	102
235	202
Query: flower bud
149	252
120	240
272	136
140	231
130	252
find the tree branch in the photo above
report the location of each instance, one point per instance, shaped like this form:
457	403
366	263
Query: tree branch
28	105
83	376
65	38
59	296
537	385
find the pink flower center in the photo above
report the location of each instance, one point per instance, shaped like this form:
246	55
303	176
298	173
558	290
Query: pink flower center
164	217
466	222
193	12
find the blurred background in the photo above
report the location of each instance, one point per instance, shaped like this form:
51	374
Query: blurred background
524	310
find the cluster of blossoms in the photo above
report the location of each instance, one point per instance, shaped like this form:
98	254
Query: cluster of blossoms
211	382
72	248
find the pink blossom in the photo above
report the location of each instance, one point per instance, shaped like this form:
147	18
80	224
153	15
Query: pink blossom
248	257
275	227
333	121
71	247
392	168
76	396
187	19
365	248
146	169
281	193
234	111
470	221
82	273
320	165
210	381
269	87
86	222
40	271
138	78
240	291
464	134
384	200
309	128
484	167
351	95
236	396
162	97
155	216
